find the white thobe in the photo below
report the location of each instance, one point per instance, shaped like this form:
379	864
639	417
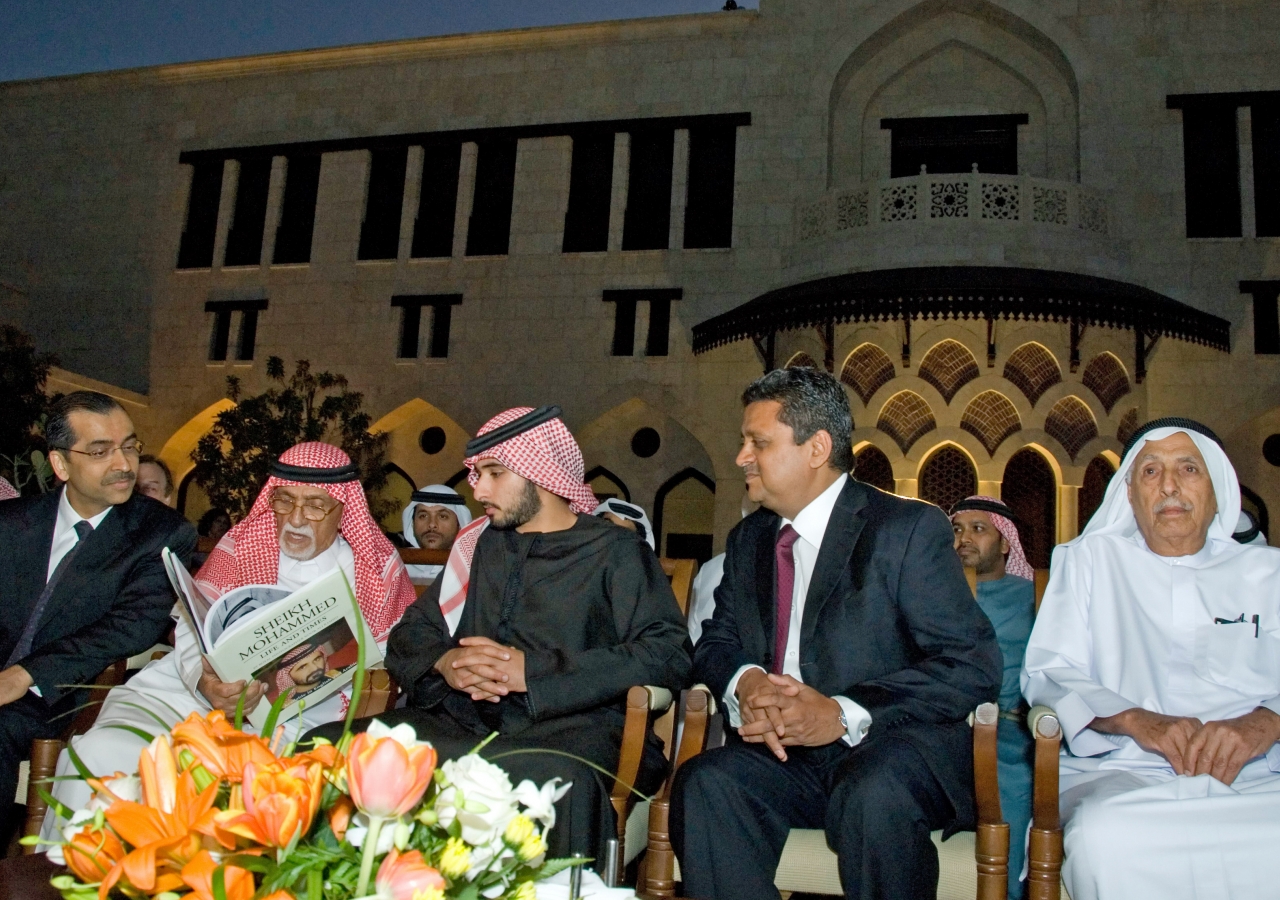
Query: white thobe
1122	627
167	688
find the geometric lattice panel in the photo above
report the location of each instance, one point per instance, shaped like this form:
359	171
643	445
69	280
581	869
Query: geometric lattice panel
1030	490
867	369
1106	377
874	468
1033	369
947	478
801	360
906	417
991	418
1128	425
1096	478
1071	422
949	366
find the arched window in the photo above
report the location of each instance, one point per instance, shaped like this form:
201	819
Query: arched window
801	360
396	490
948	366
1128	425
905	418
684	516
867	369
1072	424
1033	369
1106	377
948	477
1096	478
606	486
1031	491
874	468
991	418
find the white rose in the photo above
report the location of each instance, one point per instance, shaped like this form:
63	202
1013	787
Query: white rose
539	803
478	795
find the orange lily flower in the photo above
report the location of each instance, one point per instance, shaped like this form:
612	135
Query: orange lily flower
162	830
281	894
407	876
340	816
223	750
279	803
198	875
386	778
92	853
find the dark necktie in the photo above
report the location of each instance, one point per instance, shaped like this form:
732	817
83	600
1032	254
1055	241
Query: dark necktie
23	647
785	565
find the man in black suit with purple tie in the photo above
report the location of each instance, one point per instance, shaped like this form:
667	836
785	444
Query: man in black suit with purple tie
847	651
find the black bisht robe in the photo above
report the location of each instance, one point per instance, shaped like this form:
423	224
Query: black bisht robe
593	612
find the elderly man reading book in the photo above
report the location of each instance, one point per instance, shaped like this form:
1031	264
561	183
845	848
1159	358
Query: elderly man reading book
310	519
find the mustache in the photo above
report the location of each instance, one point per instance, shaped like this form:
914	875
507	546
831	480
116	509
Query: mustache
750	470
120	478
1173	503
300	532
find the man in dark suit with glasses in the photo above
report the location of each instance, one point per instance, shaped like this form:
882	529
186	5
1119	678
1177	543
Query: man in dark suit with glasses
82	583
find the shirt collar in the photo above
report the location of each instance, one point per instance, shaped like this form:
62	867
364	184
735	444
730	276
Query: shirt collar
811	522
68	517
1202	556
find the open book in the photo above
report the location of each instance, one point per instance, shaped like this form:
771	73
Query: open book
303	642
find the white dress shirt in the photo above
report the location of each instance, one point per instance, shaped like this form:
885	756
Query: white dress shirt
811	526
64	531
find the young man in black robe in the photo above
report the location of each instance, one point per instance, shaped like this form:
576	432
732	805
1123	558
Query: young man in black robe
542	620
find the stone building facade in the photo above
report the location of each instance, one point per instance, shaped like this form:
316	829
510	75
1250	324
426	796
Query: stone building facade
1015	229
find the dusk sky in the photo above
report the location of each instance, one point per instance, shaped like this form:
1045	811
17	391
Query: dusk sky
40	38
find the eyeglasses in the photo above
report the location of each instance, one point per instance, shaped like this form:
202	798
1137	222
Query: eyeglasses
130	450
312	510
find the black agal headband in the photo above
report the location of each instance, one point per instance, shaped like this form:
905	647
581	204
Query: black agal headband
976	504
310	475
1170	422
504	433
437	498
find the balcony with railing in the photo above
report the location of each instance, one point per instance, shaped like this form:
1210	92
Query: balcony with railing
958	218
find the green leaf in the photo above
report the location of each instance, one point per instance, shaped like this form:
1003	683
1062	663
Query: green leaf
220	882
59	809
132	730
269	727
79	763
240	707
357	681
555	866
163	724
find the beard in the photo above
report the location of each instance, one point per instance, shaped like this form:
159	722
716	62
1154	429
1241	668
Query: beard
523	511
307	552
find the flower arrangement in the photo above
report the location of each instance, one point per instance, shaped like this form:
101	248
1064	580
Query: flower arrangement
217	814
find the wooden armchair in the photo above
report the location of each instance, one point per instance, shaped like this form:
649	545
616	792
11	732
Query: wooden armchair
415	556
970	865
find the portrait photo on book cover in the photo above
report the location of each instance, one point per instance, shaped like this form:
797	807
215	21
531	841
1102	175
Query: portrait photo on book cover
312	664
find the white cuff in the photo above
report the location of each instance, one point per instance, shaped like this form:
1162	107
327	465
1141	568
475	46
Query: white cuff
858	718
731	711
36	690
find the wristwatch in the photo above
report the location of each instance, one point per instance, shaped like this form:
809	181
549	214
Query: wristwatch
844	721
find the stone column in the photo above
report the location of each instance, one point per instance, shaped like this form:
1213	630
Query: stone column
226	211
618	189
275	200
679	188
466	192
409	205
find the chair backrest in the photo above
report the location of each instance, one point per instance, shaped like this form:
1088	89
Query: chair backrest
416	556
1042	582
681	572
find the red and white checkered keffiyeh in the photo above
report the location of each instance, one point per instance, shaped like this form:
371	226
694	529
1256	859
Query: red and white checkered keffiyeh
250	552
284	668
1016	563
7	491
548	456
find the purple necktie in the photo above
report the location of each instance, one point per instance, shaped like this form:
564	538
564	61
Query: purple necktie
786	567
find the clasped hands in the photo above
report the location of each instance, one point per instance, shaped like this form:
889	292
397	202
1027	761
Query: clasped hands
1218	748
781	712
483	668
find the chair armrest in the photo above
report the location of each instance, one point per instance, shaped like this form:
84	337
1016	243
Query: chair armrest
634	731
659	698
696	707
1044	856
378	694
991	846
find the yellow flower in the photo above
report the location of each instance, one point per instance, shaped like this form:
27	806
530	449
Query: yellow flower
429	894
455	860
524	891
532	848
519	830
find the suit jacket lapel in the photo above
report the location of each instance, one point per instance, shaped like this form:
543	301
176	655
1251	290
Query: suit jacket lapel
766	581
94	558
33	546
843	529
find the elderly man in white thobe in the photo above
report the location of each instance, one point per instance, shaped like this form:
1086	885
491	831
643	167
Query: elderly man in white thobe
1158	645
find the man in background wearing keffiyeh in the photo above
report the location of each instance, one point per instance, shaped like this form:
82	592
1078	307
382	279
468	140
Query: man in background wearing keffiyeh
542	620
987	541
310	518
